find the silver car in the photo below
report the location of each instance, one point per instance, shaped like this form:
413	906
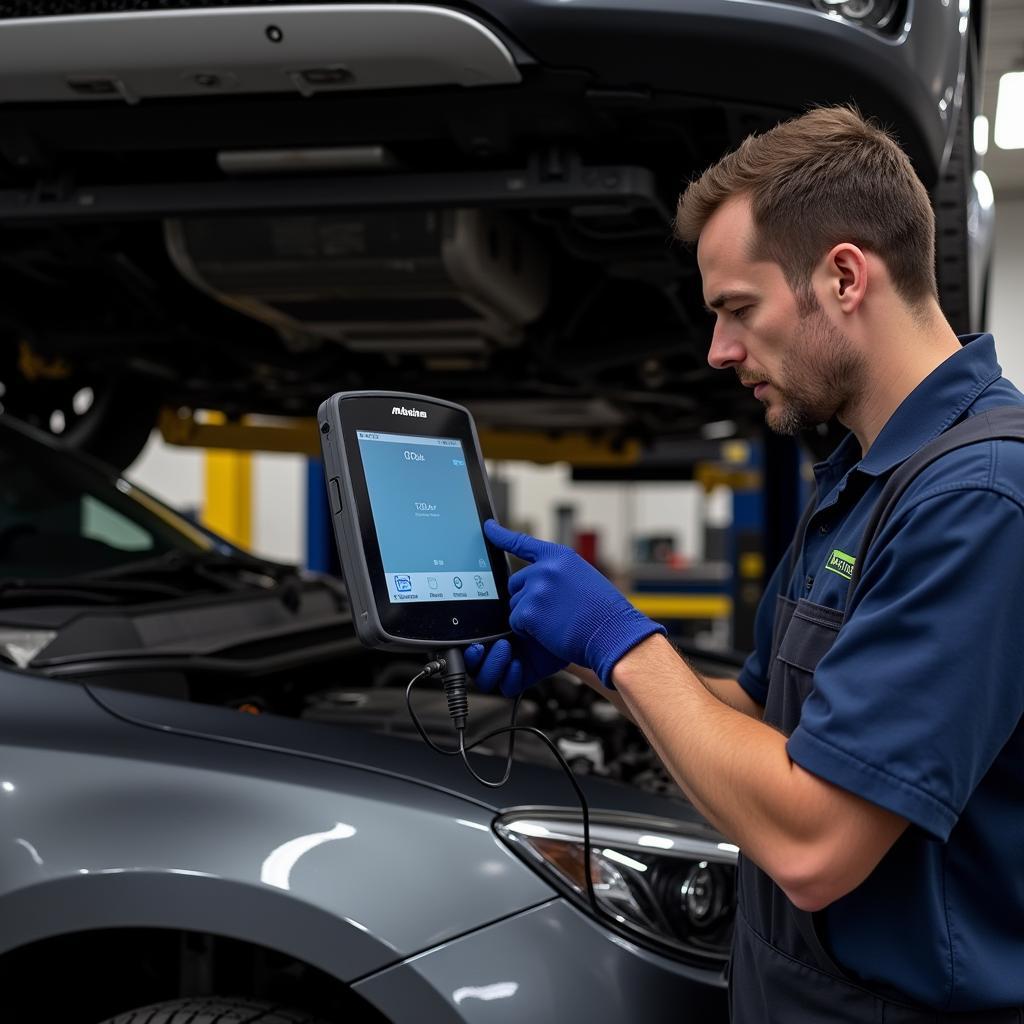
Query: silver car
212	795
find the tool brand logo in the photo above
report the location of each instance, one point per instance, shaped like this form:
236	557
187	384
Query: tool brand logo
841	564
400	410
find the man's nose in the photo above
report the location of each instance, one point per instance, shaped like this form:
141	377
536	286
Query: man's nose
726	350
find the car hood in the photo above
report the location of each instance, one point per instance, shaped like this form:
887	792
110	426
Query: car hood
210	625
396	757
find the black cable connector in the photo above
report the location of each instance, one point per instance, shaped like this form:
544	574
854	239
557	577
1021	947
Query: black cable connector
453	679
452	669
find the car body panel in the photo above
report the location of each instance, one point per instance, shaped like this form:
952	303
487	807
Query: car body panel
409	760
248	50
775	53
109	824
506	973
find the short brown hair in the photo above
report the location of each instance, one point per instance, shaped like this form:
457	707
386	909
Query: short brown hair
826	177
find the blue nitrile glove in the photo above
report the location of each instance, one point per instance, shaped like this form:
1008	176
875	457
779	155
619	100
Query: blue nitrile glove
511	665
564	603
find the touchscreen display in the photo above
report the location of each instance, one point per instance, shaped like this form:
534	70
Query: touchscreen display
428	528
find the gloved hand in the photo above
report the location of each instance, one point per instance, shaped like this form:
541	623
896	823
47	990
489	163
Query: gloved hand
511	665
562	602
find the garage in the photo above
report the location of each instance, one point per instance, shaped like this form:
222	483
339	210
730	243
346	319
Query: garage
403	617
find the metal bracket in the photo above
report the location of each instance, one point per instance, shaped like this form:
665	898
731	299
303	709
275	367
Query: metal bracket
301	435
579	184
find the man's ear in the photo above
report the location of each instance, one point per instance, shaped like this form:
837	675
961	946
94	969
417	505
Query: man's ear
844	275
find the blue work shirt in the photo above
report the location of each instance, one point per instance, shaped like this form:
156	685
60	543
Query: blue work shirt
917	706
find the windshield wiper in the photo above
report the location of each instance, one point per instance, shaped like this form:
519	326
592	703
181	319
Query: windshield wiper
177	561
172	575
229	571
76	589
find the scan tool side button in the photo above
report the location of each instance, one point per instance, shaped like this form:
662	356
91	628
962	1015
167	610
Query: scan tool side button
334	489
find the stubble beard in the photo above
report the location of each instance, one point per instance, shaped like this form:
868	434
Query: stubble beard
821	379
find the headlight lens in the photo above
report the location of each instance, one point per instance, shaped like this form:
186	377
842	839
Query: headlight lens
872	13
670	885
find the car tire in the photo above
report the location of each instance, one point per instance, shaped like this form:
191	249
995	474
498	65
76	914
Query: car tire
215	1010
117	427
80	406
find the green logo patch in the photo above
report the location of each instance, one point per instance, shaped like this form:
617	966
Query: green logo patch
841	564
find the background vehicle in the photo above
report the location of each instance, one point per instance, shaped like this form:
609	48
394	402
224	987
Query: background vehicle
210	789
246	208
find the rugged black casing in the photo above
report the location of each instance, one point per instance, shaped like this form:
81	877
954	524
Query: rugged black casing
378	622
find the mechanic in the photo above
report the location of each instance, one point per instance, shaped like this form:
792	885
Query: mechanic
873	775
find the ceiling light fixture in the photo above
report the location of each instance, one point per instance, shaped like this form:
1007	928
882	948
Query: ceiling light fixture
1009	128
981	135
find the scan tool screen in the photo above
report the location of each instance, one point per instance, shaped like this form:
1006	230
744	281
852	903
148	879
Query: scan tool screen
428	530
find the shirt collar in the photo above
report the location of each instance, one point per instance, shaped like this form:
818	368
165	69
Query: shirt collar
932	407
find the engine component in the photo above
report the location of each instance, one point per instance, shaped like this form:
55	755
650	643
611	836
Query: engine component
421	281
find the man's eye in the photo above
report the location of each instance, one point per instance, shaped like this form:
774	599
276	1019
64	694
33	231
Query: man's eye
740	312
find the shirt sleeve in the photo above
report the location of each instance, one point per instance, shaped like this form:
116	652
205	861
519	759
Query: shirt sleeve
923	685
753	676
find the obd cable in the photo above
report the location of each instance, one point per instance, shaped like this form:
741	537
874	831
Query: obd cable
452	668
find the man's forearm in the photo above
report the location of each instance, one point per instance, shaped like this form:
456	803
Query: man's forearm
725	689
736	771
729	691
707	744
585	675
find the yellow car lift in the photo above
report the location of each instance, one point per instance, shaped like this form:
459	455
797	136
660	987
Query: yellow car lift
229	444
205	429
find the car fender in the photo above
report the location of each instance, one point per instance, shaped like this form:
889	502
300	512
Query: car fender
106	824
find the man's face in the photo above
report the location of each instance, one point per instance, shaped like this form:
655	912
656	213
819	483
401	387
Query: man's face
799	363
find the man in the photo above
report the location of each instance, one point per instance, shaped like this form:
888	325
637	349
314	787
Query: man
873	774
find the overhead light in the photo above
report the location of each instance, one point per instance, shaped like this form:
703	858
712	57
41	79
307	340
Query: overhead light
983	188
1009	132
981	135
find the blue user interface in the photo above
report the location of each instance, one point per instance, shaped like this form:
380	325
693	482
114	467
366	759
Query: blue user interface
426	519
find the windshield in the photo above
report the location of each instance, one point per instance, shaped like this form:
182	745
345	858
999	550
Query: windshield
60	517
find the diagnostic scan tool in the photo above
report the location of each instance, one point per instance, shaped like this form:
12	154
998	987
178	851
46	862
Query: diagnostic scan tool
409	495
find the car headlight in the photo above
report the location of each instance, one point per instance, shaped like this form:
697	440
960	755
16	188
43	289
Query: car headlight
20	646
870	13
669	885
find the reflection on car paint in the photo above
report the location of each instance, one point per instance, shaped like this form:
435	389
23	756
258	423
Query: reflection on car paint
472	824
499	990
32	851
277	868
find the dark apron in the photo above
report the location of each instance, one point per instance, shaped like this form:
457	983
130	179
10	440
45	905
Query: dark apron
781	968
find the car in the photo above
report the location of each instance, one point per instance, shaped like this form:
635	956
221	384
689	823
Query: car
214	801
246	206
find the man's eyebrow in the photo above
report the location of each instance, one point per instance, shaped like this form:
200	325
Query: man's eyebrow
723	297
